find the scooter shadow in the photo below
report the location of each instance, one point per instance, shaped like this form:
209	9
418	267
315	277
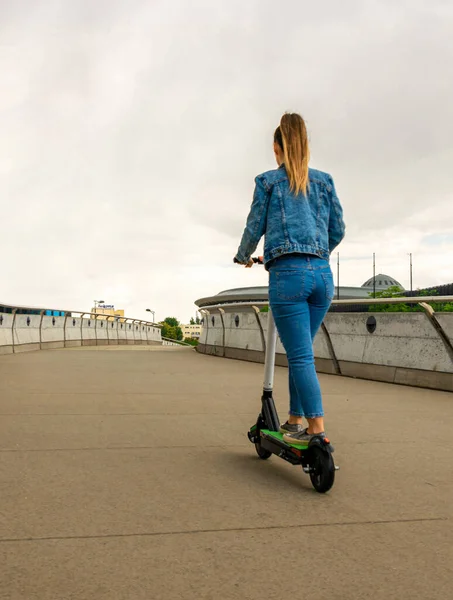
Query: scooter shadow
267	472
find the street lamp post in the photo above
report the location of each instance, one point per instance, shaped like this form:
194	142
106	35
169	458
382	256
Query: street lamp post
410	269
374	275
153	313
338	275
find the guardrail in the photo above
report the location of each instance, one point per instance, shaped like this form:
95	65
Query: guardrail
414	348
370	301
170	342
26	328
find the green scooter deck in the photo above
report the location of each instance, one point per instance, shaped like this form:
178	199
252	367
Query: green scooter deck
279	436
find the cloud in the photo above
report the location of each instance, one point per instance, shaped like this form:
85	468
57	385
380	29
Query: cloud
132	133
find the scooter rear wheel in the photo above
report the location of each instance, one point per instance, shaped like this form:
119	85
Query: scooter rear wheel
262	452
322	469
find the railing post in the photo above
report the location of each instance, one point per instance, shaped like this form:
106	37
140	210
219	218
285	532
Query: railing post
12	329
64	329
81	328
206	320
96	328
222	312
258	320
333	356
107	329
131	325
431	314
40	329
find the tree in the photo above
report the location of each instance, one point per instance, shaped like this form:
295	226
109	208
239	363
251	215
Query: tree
171	329
164	330
192	321
198	320
172	321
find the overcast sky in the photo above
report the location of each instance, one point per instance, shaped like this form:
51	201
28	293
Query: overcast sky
132	131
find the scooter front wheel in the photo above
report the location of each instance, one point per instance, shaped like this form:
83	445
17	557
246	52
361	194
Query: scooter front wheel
322	469
262	452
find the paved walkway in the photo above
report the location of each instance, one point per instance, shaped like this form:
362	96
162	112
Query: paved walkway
126	473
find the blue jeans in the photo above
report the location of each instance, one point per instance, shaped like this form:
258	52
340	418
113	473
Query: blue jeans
301	290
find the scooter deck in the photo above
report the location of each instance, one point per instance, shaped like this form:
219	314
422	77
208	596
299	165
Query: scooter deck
279	436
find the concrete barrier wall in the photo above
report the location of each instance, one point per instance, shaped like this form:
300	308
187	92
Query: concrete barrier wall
27	332
101	331
130	337
88	332
112	332
446	322
53	332
73	335
246	334
150	334
405	348
122	337
6	333
401	339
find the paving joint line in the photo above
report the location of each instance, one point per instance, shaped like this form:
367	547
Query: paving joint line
97	449
221	530
134	414
101	448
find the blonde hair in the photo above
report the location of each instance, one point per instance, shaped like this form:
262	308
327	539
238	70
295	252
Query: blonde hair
292	137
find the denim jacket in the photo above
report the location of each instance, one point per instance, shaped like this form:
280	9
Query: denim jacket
311	224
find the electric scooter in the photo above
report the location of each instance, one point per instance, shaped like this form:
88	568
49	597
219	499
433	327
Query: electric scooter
315	457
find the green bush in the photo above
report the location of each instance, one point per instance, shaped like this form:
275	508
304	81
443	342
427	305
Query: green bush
397	292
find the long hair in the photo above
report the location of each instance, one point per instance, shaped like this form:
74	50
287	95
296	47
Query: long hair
292	137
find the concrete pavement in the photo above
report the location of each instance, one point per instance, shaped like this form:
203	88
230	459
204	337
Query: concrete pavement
126	473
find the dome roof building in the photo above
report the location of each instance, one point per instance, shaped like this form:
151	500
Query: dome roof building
383	282
259	293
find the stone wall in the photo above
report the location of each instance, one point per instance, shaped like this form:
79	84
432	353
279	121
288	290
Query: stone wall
406	348
24	332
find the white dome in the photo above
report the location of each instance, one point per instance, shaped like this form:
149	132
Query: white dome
382	282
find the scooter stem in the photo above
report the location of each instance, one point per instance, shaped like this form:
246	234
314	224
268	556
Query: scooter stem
269	361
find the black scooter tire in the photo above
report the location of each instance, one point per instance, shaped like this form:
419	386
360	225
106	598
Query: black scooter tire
262	452
322	469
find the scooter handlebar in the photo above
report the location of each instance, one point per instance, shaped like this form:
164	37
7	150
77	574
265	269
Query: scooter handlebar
258	260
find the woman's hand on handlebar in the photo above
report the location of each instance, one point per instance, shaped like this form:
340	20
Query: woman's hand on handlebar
248	265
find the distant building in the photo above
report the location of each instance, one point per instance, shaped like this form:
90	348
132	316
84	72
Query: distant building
191	331
382	282
107	310
22	310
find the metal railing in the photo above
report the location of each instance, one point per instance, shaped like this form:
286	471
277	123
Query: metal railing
360	301
177	342
30	310
422	301
33	313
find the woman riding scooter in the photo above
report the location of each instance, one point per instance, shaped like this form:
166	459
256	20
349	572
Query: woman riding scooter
298	211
